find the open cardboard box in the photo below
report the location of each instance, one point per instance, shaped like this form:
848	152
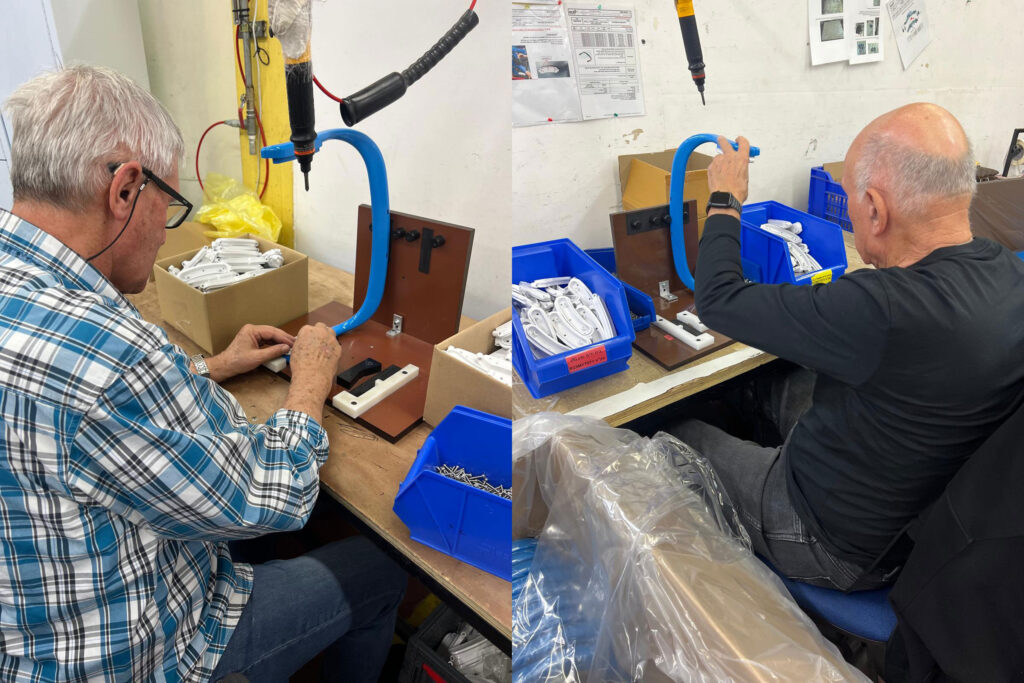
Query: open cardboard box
213	319
645	181
453	382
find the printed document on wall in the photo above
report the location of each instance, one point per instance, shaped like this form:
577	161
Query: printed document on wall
543	85
827	24
911	27
864	33
604	53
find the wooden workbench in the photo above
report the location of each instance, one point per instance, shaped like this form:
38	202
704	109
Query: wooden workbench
363	472
646	386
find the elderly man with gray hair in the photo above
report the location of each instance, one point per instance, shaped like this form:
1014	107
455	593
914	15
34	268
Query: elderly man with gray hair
124	466
906	368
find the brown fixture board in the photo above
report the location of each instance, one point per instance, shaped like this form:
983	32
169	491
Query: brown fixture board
400	411
643	258
425	283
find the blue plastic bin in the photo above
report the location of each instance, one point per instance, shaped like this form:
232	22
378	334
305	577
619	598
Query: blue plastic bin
544	376
827	199
766	257
639	303
605	257
458	519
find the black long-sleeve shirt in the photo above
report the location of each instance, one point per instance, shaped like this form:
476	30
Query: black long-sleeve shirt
916	366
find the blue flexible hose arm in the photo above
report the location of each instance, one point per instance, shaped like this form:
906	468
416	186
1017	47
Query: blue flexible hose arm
675	199
380	212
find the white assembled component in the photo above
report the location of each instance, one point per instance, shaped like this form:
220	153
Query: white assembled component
692	320
544	283
276	364
355	406
236	242
695	342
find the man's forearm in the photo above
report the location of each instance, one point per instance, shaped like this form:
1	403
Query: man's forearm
305	398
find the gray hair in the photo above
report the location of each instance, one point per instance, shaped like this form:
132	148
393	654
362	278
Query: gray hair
69	124
914	178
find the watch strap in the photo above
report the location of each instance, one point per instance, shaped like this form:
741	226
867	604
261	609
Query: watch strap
724	200
201	367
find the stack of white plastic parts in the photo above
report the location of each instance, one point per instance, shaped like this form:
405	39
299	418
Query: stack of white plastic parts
225	262
498	363
799	252
476	657
561	314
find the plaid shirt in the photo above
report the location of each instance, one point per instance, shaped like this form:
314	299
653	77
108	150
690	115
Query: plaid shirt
121	476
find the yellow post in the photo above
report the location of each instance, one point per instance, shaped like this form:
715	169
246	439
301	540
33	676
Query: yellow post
272	103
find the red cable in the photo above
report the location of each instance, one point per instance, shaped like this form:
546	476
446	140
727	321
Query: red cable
263	136
326	91
472	5
199	147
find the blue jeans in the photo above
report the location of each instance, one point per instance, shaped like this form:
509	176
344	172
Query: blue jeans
754	477
342	598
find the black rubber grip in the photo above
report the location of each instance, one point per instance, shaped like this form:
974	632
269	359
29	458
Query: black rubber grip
691	43
372	98
466	23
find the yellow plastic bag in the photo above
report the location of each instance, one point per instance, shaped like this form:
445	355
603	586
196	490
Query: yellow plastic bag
235	210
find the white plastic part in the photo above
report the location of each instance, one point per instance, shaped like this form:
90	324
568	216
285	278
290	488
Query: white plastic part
526	289
692	320
546	282
236	242
547	345
355	406
276	364
695	342
568	314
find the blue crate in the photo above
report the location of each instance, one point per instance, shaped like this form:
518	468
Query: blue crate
765	256
458	519
827	199
545	376
605	257
641	305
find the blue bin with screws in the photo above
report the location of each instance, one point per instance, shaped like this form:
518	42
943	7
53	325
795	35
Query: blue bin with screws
454	497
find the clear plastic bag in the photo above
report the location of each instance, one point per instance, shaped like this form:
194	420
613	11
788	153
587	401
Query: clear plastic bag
235	210
642	571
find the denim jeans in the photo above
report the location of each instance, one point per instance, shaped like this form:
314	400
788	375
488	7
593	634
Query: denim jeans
342	597
754	477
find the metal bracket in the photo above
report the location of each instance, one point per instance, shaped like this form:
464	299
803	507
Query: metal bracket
665	293
354	406
260	29
396	326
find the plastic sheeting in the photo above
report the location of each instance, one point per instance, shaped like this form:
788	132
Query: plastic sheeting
292	24
642	571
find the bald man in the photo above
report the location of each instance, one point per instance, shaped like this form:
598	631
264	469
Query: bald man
905	368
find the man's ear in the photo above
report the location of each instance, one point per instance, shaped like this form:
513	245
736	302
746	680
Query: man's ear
878	212
127	180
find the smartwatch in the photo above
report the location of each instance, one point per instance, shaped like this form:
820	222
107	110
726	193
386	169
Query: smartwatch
724	200
202	368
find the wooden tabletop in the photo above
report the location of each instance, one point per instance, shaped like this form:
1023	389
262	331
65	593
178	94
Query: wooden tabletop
363	471
646	386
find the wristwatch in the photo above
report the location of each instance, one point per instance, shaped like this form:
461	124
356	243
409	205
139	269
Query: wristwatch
724	200
202	368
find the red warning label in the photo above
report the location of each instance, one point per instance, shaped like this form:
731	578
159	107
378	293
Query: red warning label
587	359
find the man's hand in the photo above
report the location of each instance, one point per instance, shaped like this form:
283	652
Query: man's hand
252	346
314	364
729	172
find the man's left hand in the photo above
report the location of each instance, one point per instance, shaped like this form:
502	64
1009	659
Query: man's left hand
253	346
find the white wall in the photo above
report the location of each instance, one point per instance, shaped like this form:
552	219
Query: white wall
103	32
760	84
446	143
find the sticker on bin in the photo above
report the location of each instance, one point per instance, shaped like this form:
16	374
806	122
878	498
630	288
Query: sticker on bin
587	359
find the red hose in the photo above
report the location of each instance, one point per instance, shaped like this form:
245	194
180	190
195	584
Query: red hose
199	147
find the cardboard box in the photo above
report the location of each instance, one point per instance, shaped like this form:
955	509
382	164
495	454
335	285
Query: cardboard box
186	237
453	382
211	320
835	169
645	180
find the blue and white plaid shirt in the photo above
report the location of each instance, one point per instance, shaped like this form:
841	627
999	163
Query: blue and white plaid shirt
121	476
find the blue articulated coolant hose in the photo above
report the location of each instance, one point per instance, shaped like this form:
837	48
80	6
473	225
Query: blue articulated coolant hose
380	212
675	200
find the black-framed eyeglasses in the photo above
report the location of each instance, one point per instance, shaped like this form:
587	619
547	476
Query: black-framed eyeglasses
179	208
